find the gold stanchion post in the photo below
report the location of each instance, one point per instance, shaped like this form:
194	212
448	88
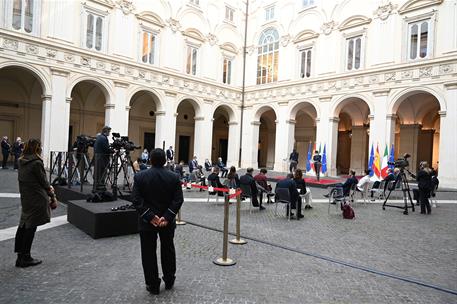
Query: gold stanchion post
178	219
224	260
238	240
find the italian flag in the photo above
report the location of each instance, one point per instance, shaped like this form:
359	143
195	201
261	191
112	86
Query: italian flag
377	163
384	165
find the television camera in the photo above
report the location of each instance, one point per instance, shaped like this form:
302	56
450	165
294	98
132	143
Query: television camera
83	142
123	142
401	162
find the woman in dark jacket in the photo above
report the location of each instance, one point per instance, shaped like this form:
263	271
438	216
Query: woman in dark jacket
233	179
37	198
424	182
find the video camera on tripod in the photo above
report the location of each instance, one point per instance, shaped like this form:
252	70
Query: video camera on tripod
83	142
122	142
401	162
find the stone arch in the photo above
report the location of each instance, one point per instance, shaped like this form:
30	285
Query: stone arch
338	104
298	104
156	95
43	77
22	92
228	108
195	102
397	97
105	87
259	110
417	125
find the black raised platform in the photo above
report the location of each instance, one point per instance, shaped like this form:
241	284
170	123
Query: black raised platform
98	221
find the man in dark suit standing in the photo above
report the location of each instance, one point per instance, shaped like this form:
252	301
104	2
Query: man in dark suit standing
317	159
157	196
170	154
6	149
102	155
293	158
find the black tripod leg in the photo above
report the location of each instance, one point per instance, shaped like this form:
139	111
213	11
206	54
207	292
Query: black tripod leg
385	201
411	201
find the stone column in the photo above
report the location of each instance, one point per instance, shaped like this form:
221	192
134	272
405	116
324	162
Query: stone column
250	139
359	147
332	145
391	120
203	138
166	122
380	128
115	110
46	127
233	144
252	146
56	115
447	167
284	143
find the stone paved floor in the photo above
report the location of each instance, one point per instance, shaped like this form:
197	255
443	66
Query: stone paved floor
78	269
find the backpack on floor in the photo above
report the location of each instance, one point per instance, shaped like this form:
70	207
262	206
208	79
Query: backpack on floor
348	212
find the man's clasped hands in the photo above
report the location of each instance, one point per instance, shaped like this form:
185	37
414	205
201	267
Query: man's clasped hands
159	221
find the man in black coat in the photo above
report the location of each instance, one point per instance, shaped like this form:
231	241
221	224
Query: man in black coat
289	183
157	196
102	155
249	180
170	154
6	149
293	158
317	160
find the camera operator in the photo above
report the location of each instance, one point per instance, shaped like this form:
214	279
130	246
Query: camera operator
102	156
424	182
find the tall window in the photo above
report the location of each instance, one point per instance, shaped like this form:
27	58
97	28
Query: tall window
269	13
354	53
308	2
149	47
419	39
229	12
94	32
23	15
191	64
227	71
267	58
305	63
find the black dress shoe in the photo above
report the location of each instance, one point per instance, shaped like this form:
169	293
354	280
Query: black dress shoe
300	216
261	208
169	283
27	262
291	214
153	289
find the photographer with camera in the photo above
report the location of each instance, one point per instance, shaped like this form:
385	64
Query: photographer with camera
102	156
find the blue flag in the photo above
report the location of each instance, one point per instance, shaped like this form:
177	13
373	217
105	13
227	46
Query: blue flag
370	161
324	161
308	163
392	156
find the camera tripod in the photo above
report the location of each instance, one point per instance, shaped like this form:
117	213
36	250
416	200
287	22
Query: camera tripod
401	178
120	162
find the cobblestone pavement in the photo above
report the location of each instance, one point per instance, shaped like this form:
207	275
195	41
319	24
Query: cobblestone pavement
78	269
